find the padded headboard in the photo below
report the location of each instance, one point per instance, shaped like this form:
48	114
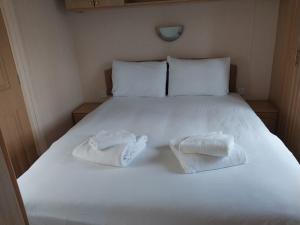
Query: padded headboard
232	80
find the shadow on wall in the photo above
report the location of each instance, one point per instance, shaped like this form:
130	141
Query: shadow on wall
60	6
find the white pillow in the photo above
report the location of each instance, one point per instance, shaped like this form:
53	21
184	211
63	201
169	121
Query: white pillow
199	77
146	79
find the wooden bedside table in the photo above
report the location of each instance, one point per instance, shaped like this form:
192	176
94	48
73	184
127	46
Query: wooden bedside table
84	109
267	112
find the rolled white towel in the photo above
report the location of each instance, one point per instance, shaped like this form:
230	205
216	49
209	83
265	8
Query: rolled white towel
213	144
194	163
120	155
105	139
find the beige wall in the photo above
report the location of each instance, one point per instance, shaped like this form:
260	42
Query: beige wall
52	65
242	29
67	52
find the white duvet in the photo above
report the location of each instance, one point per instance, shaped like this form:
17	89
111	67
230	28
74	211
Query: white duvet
61	190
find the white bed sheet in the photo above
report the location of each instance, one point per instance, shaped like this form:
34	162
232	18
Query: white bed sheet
61	190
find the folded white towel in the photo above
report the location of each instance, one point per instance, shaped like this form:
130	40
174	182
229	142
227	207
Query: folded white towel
105	139
214	144
193	163
119	155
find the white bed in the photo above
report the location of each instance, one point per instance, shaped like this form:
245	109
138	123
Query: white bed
61	190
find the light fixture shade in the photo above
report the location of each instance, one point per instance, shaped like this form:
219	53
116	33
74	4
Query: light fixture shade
170	33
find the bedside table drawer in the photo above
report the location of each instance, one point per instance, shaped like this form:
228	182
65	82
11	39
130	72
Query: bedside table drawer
271	124
267	112
85	108
267	115
77	117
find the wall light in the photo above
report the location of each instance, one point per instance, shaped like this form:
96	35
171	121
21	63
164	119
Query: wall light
170	33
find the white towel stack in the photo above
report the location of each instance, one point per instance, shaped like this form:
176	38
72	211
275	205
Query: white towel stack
117	148
207	152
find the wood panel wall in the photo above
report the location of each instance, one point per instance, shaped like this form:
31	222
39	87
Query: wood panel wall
285	85
14	121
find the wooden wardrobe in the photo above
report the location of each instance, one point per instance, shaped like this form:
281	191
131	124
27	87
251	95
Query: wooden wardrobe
285	85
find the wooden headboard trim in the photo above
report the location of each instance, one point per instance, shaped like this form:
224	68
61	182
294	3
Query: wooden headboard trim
232	80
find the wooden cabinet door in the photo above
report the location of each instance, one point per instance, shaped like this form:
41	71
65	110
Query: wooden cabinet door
12	211
14	122
108	3
296	136
79	4
295	130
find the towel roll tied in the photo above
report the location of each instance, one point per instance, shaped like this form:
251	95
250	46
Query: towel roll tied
104	140
109	148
